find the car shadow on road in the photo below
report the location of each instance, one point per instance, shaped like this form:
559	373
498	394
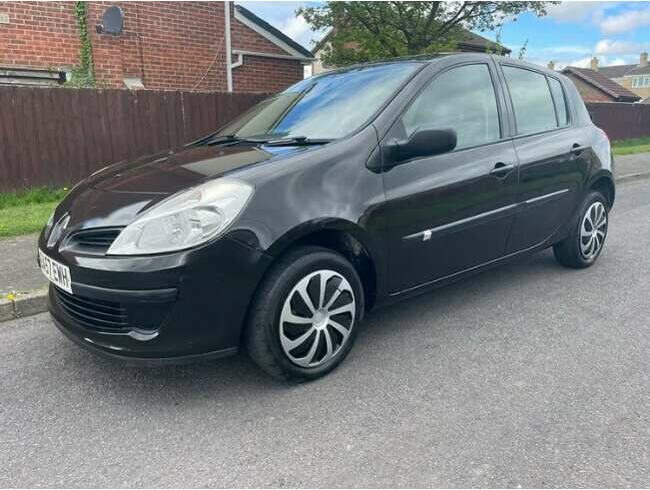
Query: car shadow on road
237	377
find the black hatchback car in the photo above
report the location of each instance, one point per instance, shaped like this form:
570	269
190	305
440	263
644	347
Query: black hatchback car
345	191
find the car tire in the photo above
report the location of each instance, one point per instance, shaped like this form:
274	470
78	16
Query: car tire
324	331
587	233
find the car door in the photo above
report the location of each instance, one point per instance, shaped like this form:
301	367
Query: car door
553	155
453	211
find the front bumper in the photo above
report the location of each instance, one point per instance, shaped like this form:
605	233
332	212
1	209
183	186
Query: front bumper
159	309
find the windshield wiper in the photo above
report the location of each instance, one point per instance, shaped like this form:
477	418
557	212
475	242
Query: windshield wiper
266	140
297	141
217	140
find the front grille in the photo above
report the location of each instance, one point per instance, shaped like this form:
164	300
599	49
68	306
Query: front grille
93	313
95	238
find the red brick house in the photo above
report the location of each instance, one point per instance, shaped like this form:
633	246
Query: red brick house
203	46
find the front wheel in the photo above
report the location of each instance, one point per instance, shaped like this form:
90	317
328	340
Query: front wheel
587	236
305	315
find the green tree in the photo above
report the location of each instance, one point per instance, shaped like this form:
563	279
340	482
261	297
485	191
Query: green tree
364	31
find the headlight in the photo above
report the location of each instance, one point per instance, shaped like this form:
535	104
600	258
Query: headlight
184	220
50	222
48	226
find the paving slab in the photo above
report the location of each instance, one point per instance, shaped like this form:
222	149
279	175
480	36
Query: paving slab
18	269
632	165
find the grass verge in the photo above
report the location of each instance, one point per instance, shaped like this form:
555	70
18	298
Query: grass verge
27	211
631	146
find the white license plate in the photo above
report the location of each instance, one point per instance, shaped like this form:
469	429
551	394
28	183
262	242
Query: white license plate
56	272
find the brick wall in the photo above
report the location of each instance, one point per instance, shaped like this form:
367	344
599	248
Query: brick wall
588	92
39	35
169	45
247	40
276	73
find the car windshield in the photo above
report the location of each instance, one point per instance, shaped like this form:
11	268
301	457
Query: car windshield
325	107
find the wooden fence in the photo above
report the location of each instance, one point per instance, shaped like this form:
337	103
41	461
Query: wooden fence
56	137
621	121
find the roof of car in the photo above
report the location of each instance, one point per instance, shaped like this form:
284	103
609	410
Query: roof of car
432	57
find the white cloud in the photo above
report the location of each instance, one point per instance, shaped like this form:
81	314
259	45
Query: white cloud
602	61
281	15
580	63
567	49
627	22
575	11
297	29
538	61
607	46
609	52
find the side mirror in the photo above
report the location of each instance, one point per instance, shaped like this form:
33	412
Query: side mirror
423	143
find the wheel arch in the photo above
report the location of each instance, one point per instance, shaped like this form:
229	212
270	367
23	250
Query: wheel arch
604	183
344	237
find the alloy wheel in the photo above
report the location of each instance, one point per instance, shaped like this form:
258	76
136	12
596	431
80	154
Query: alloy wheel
593	230
317	318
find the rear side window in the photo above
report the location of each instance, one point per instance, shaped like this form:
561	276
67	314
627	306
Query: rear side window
531	100
560	101
462	99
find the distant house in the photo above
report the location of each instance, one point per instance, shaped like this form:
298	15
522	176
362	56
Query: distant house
596	87
182	45
470	43
635	78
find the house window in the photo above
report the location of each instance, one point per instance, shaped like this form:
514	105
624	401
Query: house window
640	82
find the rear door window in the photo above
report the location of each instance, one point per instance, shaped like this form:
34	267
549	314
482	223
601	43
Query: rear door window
531	99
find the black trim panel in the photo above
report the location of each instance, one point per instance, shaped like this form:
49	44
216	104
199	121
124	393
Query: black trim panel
144	361
126	295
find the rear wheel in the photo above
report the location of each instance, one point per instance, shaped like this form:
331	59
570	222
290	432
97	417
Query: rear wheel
303	322
587	236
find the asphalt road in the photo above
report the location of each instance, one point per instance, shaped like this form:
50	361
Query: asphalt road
530	375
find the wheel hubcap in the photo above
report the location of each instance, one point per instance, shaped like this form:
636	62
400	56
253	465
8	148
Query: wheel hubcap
317	318
593	230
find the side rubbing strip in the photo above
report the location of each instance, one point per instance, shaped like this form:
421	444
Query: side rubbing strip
425	235
546	196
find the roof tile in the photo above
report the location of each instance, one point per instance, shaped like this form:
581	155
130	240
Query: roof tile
617	71
602	82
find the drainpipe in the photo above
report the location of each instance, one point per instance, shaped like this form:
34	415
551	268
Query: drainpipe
226	6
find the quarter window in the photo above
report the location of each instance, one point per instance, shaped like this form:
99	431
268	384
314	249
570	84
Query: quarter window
462	99
560	101
531	100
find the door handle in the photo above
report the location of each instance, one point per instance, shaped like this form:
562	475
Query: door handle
576	149
501	170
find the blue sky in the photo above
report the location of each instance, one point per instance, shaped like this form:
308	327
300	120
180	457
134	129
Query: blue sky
573	32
